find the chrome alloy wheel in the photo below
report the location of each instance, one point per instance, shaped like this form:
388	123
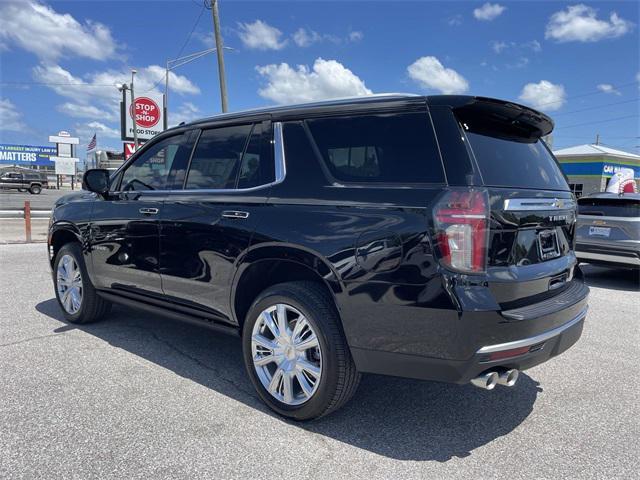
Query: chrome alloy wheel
69	284
286	354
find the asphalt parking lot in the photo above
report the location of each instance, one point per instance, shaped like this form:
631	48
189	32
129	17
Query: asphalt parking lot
13	199
139	396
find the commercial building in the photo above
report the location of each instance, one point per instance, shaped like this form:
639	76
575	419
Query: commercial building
590	167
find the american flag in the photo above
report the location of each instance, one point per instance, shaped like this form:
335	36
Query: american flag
92	143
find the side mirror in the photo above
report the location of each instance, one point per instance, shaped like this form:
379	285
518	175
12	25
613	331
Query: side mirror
96	180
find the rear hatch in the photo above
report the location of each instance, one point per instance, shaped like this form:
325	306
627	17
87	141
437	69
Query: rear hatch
531	209
610	218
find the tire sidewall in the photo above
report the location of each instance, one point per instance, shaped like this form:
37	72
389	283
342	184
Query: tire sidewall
329	377
74	250
35	190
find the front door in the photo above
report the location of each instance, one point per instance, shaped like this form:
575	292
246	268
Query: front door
124	232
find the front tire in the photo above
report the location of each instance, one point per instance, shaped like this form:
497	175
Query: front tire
295	352
75	293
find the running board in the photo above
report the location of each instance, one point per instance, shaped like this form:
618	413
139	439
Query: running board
183	317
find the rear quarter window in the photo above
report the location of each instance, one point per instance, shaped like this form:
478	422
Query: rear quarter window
380	148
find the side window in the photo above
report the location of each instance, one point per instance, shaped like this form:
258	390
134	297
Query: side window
216	158
381	148
257	167
161	167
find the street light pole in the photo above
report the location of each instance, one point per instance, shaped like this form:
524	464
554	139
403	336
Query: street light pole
219	51
133	105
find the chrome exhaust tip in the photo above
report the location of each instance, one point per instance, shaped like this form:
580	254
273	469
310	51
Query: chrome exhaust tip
508	378
487	380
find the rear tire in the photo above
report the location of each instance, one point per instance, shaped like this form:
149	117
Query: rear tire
35	189
76	295
305	303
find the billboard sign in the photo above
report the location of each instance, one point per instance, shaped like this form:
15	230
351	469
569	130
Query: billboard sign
27	155
148	112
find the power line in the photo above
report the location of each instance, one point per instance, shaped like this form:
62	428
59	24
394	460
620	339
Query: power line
594	92
186	42
597	107
599	121
54	84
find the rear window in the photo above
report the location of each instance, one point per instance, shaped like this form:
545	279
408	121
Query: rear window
605	207
383	148
513	162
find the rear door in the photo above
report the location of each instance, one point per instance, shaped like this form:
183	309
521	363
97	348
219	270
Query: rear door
533	212
207	225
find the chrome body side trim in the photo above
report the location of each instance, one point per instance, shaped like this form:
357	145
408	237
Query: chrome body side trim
526	204
526	342
278	152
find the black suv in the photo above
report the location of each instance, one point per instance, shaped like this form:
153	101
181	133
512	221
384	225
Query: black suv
423	237
23	180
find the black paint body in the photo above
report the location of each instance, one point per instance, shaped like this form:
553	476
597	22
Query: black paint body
373	247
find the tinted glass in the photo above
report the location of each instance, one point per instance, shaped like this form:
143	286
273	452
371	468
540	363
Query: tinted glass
609	207
256	167
161	167
511	163
384	148
216	158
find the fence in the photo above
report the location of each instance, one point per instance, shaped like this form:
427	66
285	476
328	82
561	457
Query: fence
16	226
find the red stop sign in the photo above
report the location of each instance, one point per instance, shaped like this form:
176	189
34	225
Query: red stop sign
145	112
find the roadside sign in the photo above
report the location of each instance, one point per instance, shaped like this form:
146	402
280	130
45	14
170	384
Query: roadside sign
129	149
149	115
65	165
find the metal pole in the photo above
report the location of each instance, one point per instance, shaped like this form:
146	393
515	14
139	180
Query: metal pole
133	104
27	221
220	54
166	92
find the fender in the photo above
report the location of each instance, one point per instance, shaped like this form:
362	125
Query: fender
69	231
292	253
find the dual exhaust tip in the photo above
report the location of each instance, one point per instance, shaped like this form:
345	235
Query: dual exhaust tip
488	380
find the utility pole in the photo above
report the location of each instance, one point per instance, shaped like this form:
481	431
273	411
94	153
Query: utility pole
133	105
220	53
597	139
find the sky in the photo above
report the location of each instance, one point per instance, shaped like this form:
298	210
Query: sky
60	61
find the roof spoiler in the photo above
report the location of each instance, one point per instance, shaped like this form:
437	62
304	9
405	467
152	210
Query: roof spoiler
510	117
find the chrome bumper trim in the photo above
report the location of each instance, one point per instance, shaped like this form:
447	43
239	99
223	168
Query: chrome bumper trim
605	257
526	342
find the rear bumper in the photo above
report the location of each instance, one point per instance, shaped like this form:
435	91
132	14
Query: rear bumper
524	338
541	348
611	254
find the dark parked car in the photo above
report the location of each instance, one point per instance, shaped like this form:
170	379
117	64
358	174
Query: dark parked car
608	230
422	237
23	180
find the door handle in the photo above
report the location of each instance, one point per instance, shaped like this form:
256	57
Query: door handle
149	211
236	214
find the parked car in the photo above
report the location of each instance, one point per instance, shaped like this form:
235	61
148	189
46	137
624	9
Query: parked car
23	180
422	237
608	231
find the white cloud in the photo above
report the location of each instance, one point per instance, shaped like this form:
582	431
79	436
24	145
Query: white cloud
86	130
455	21
499	47
488	11
48	34
304	38
97	92
534	45
260	35
86	111
356	36
579	23
187	112
10	117
608	88
429	73
327	79
543	95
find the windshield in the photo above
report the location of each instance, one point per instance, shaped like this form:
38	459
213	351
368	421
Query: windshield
513	163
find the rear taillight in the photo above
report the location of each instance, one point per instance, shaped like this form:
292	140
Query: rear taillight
461	220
